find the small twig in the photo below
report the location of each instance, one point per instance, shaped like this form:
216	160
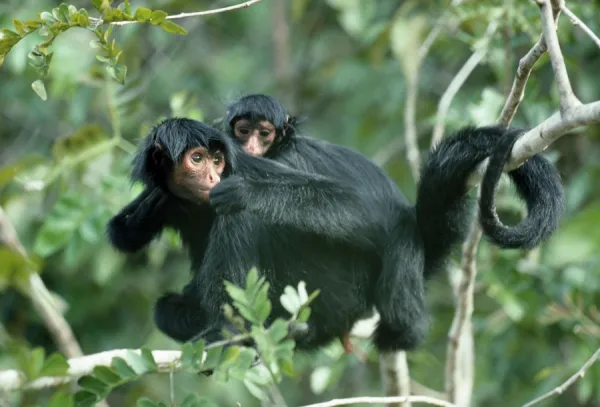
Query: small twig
560	389
410	105
382	400
568	99
99	21
457	82
577	22
518	87
385	154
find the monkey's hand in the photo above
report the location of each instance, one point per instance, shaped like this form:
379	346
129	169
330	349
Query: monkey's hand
229	195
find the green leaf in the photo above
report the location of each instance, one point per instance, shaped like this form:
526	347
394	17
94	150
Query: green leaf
173	28
304	315
36	358
213	356
106	375
19	26
85	398
55	365
236	293
142	15
230	356
193	400
6	33
287	367
138	363
122	368
61	399
117	72
39	88
60	225
278	330
145	402
97	4
47	17
82	19
188	354
157	17
148	358
93	385
32	24
127	7
262	307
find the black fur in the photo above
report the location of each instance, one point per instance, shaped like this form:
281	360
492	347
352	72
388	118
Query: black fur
327	215
537	182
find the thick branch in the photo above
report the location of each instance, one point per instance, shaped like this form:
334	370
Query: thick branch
537	139
560	389
396	377
458	354
568	99
42	300
12	380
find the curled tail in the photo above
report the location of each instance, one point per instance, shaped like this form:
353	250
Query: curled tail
537	182
139	222
443	205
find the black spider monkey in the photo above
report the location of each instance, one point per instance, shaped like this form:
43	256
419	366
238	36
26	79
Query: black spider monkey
376	251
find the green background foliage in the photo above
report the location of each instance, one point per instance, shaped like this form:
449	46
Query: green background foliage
65	154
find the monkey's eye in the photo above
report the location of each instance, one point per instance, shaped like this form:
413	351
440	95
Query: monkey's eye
265	133
217	158
197	158
244	131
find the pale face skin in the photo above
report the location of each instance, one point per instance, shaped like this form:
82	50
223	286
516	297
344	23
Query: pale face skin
256	138
198	173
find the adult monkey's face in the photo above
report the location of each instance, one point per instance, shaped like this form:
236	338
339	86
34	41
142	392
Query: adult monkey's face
199	171
256	136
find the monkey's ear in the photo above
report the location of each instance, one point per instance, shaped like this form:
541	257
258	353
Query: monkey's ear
157	155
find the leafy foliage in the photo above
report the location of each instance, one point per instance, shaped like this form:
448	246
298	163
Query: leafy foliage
66	16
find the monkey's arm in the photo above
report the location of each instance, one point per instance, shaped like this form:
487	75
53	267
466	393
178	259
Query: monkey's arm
139	222
307	202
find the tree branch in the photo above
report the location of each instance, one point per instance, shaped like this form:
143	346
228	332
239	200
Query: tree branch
568	99
560	389
518	87
41	298
246	4
577	22
382	400
458	80
410	104
540	137
12	380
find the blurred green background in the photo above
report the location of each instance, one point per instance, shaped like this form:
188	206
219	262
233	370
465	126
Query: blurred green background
343	65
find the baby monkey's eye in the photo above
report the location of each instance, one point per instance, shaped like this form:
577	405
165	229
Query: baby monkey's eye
217	158
197	158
